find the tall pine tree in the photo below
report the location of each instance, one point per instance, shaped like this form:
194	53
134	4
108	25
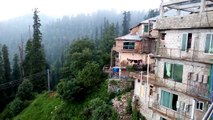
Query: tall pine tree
7	73
16	74
126	22
2	78
38	60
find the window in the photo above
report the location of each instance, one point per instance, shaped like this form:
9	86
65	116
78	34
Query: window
209	44
163	36
129	45
200	105
169	100
161	118
173	71
186	41
145	28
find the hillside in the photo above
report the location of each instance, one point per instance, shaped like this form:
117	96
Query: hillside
48	106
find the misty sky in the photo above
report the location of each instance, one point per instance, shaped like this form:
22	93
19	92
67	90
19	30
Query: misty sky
13	8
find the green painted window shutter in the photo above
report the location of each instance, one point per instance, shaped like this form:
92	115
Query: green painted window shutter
184	42
207	45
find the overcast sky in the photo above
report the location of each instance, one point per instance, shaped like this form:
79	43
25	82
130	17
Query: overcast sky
13	8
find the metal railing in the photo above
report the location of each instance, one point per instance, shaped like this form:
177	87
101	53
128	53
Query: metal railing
186	54
191	88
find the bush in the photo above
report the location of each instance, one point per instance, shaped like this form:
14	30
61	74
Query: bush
70	90
136	115
16	106
25	90
129	106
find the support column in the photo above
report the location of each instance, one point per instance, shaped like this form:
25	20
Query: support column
202	6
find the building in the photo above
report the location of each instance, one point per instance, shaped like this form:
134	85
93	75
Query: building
131	51
181	87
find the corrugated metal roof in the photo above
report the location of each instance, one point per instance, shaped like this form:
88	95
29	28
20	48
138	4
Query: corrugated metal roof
129	37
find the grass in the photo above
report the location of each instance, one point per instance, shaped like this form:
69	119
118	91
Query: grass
40	108
46	107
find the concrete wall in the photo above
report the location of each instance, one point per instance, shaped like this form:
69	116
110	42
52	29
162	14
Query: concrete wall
189	21
198	68
172	44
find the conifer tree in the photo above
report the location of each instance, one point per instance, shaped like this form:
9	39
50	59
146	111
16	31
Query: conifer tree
27	61
2	78
126	22
37	56
7	73
16	74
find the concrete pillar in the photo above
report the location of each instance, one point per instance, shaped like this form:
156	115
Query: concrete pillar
202	6
178	12
161	10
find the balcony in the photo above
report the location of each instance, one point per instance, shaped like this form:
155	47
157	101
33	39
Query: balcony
191	88
167	112
189	55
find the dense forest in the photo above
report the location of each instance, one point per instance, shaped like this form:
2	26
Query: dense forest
73	48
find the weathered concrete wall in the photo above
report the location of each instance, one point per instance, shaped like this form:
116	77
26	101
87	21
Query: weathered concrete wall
197	68
172	44
189	21
135	31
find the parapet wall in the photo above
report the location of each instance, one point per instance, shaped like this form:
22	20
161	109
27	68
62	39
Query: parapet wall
199	20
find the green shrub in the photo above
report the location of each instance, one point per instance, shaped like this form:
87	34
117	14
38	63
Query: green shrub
129	106
16	106
25	90
69	90
113	82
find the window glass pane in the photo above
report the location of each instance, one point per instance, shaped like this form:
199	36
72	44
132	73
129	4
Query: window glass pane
184	38
201	106
165	98
197	106
207	45
167	70
211	48
178	72
145	28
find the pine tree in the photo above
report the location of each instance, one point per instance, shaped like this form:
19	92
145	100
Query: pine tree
27	61
7	73
2	78
126	22
38	63
16	74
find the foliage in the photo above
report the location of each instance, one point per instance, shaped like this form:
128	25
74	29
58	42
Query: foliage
2	77
16	106
126	22
16	74
41	108
129	106
27	64
25	90
7	69
113	82
70	90
136	115
90	75
151	13
103	112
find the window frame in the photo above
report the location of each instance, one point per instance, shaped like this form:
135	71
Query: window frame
170	100
211	40
146	27
172	72
128	46
198	106
186	44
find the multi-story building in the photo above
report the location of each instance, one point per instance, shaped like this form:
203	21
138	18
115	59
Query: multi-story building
132	50
181	87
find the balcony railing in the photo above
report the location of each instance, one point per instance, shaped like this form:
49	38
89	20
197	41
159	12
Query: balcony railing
193	55
191	88
169	113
